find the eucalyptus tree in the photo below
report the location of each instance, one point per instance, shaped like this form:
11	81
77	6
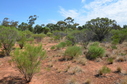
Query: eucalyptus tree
100	26
8	23
69	22
62	25
38	29
23	26
31	21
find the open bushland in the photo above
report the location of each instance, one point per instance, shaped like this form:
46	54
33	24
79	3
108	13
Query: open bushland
63	53
55	70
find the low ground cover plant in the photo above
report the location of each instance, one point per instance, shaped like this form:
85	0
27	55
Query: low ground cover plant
94	51
72	52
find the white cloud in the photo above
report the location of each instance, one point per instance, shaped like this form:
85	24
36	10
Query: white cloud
113	9
68	13
83	1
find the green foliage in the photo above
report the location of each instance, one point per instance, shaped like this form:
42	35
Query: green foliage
110	60
22	39
57	35
53	47
72	51
114	47
61	45
95	51
104	70
28	60
38	37
119	36
78	36
23	26
101	27
68	43
8	37
49	34
95	44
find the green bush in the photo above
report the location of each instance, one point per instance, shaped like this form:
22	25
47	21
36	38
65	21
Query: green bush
61	45
104	70
95	52
114	47
8	37
22	39
49	34
119	36
110	60
58	35
68	43
53	47
95	44
38	37
28	60
73	51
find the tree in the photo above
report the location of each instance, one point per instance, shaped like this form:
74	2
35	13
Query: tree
62	25
8	37
32	21
7	23
52	27
28	60
100	26
23	26
69	22
38	29
124	26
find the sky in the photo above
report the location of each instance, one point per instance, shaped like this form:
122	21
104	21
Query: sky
51	11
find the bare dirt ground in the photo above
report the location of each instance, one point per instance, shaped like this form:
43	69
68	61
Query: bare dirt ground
54	71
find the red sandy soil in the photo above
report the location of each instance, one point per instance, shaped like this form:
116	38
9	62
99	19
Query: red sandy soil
53	71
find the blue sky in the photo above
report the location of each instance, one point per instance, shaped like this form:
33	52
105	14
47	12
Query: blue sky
51	11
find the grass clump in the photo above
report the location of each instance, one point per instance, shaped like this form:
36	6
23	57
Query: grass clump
73	51
103	71
94	52
52	48
110	60
28	60
61	45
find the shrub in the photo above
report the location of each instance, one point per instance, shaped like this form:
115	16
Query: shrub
110	60
22	39
104	70
77	36
38	37
95	52
114	47
119	36
8	37
95	44
61	45
68	43
28	60
49	34
73	51
58	35
53	47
